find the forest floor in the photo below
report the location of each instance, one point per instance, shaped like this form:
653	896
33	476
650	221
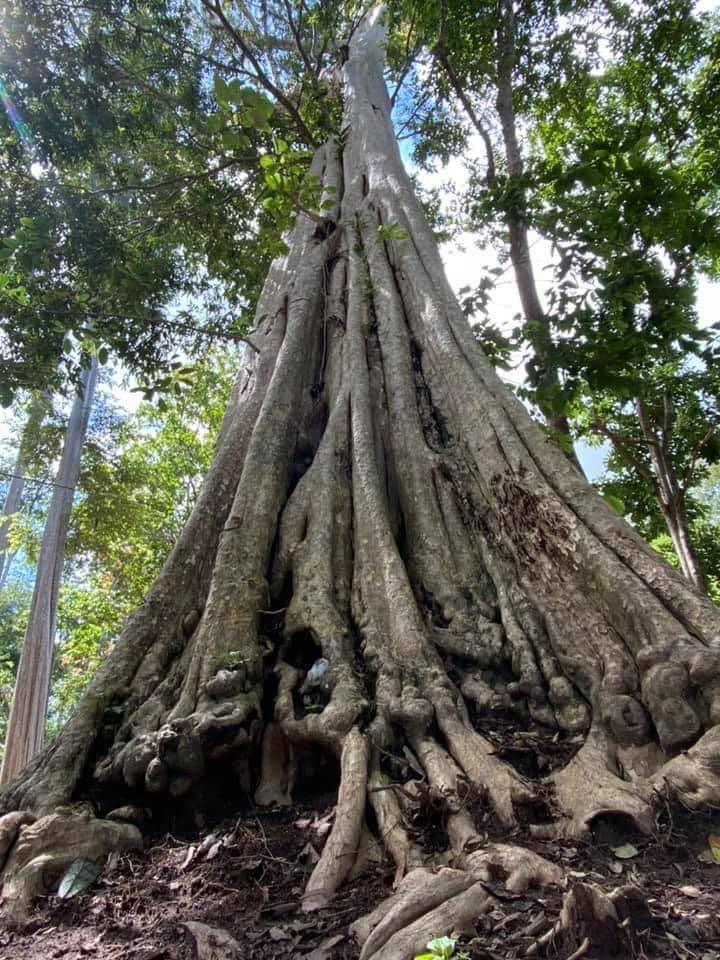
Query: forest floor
247	875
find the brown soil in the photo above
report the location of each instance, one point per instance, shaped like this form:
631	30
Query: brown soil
246	877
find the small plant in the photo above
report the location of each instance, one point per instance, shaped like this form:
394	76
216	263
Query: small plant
390	231
442	948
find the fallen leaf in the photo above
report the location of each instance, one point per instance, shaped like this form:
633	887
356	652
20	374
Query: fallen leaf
207	843
81	874
188	858
213	943
323	825
616	868
277	933
625	851
689	891
713	840
214	850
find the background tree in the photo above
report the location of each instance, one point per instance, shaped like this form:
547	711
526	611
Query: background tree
490	62
630	200
140	479
26	724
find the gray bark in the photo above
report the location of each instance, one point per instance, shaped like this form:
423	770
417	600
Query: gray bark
381	499
32	684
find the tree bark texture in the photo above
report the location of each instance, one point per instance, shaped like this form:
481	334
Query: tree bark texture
32	684
386	550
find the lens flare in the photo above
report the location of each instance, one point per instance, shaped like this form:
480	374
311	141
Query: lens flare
14	116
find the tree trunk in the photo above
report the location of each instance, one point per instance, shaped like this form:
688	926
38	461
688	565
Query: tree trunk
547	378
13	497
386	552
668	491
32	684
678	527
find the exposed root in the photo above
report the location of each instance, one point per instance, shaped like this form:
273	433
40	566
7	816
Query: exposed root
590	920
10	825
428	904
369	853
586	788
418	894
278	769
391	830
340	850
693	777
43	850
504	787
213	943
518	869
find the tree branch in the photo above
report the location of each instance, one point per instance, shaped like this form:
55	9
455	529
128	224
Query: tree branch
298	41
623	450
182	179
468	107
261	77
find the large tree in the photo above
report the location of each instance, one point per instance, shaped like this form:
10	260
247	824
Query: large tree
386	548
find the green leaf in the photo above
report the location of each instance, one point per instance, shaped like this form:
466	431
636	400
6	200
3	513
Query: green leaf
441	943
215	123
221	90
615	502
625	851
81	874
230	139
714	844
235	92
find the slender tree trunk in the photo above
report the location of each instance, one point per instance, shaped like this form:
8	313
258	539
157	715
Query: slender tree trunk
26	723
13	498
547	378
386	551
669	493
677	524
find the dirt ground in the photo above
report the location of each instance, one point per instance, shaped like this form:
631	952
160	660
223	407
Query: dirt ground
246	877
